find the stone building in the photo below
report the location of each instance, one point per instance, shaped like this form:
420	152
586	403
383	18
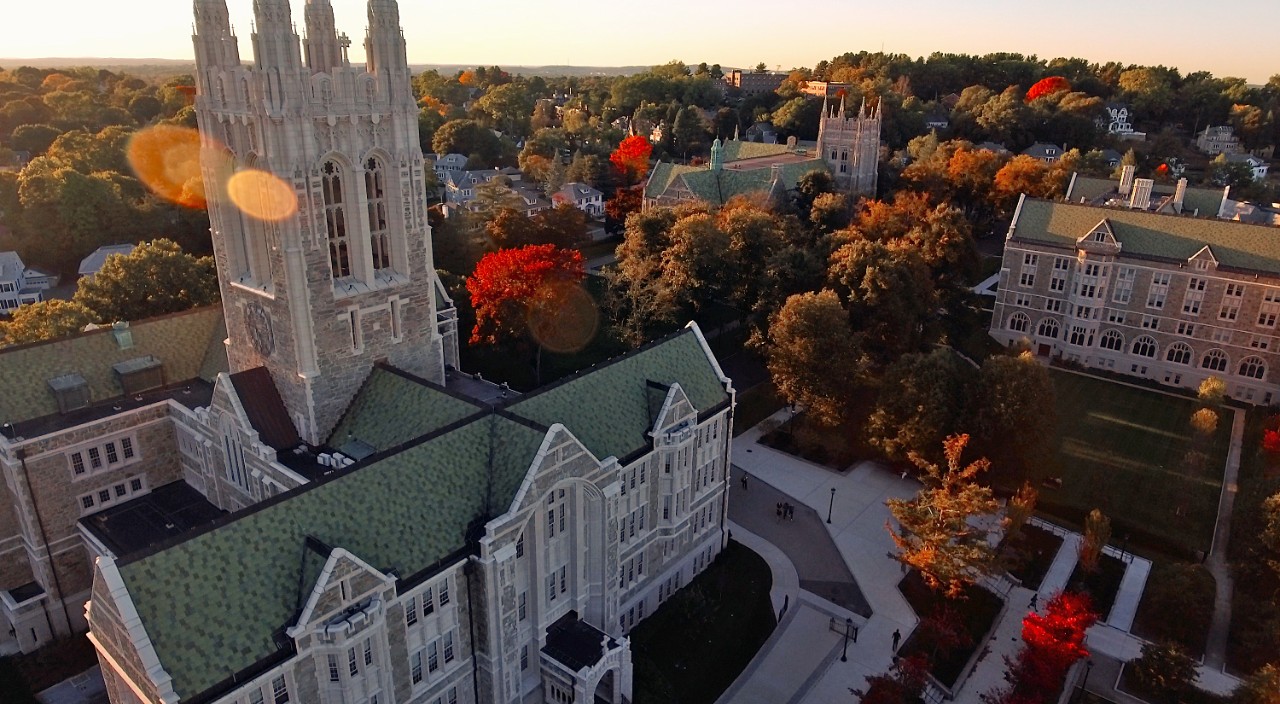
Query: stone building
1139	288
850	144
298	496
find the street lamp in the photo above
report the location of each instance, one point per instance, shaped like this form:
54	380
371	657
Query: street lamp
1088	667
849	630
831	503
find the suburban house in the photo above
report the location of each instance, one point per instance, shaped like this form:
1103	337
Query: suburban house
1257	165
1048	153
92	264
1218	140
20	285
581	196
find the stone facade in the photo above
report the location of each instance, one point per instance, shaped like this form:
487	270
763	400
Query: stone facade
851	146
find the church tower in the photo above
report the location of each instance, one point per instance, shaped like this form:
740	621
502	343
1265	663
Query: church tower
314	178
851	146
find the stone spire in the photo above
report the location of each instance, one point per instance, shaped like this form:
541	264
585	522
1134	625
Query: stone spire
384	44
822	123
841	113
322	48
216	45
275	43
717	155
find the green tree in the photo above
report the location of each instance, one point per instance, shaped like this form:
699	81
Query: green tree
46	320
34	138
145	108
1016	421
813	356
690	131
921	402
467	137
156	278
509	108
1186	590
890	296
695	265
1165	670
939	532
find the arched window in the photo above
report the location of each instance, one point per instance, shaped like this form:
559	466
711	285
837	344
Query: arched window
1215	360
335	218
1048	328
1112	340
1144	347
1253	367
375	190
1179	353
1019	322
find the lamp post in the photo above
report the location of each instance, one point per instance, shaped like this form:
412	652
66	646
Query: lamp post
831	503
1088	667
849	631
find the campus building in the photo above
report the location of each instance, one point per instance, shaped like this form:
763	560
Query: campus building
1131	282
297	496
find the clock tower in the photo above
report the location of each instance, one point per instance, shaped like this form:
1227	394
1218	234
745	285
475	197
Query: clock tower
314	179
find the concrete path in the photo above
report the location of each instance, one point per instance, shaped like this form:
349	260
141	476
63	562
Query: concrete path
1215	655
1125	608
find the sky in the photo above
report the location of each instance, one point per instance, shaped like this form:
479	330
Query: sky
1191	36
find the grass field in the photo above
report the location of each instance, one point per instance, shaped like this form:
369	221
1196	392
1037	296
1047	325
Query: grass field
1125	451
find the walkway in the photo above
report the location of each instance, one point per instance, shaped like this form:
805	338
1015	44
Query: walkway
1215	655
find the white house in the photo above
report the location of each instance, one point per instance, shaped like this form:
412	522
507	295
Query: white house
15	288
1258	165
1218	140
92	264
582	197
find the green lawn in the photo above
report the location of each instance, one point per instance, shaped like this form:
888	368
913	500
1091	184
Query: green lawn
1124	450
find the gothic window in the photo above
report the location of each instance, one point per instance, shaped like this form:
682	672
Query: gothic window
844	155
1215	360
1253	367
375	190
1018	322
336	220
1048	328
1144	347
1179	353
1112	340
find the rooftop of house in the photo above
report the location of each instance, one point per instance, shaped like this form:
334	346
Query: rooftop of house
1097	191
1167	238
11	267
92	264
1041	150
442	467
1249	159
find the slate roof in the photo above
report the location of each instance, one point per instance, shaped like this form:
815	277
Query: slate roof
187	344
717	187
609	409
407	511
1171	238
393	408
92	264
1207	201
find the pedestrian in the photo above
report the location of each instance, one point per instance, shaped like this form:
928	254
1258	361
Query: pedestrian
791	512
1035	601
897	636
779	511
744	481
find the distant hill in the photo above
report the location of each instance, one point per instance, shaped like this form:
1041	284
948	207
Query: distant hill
160	66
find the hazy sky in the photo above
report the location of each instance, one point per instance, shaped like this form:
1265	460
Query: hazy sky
1227	38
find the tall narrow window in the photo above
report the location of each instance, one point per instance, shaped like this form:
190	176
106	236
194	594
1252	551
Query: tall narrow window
336	221
375	190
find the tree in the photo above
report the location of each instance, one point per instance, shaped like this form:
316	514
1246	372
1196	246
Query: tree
46	320
1212	391
1262	687
1016	422
511	287
156	278
890	295
34	138
1164	670
564	226
921	402
1048	86
1019	509
624	202
510	228
467	137
1271	534
1050	645
1097	533
813	356
939	532
902	684
695	265
631	158
1184	590
508	107
1204	421
690	131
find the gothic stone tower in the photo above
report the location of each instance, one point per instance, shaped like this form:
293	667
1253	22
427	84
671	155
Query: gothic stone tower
851	147
346	279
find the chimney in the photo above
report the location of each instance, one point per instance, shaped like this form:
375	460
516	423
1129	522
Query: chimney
1180	195
1140	199
1126	179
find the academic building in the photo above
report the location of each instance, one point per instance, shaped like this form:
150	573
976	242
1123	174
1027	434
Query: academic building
1131	281
298	496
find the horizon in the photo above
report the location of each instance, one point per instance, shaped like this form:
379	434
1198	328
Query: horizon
669	30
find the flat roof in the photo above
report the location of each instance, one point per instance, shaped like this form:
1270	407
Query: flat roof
167	511
194	393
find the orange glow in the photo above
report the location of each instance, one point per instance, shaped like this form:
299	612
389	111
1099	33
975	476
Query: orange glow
262	195
167	159
565	319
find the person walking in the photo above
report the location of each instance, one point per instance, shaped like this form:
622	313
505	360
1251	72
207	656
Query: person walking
897	636
779	511
744	481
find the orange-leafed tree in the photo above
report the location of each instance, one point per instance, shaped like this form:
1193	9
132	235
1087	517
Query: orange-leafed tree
631	158
511	286
1048	86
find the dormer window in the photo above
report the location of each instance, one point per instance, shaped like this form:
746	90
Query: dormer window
139	374
71	391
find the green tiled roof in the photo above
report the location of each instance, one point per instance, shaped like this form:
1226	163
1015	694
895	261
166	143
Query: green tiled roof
609	408
663	176
735	150
1143	234
210	604
392	409
1207	201
187	344
719	186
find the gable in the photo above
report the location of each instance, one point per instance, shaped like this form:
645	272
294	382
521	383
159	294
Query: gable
344	579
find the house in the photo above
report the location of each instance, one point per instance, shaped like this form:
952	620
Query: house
299	497
762	132
1257	165
582	197
937	120
92	264
446	163
1111	157
993	147
1218	140
825	89
16	288
1048	153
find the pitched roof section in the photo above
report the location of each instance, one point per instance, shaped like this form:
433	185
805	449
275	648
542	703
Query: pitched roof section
408	511
736	150
393	408
264	408
180	341
609	408
1152	235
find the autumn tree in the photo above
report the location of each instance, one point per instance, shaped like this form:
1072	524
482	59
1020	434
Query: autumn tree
46	320
921	402
813	356
511	285
902	684
939	532
1212	391
631	158
624	202
1051	644
1262	687
1097	533
1164	670
1271	532
1048	86
156	278
1019	509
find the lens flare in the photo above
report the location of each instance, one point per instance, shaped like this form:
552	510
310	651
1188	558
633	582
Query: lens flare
167	159
565	320
262	195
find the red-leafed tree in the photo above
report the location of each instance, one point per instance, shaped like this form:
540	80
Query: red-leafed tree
1048	86
1050	645
623	203
510	286
1271	441
902	684
631	158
